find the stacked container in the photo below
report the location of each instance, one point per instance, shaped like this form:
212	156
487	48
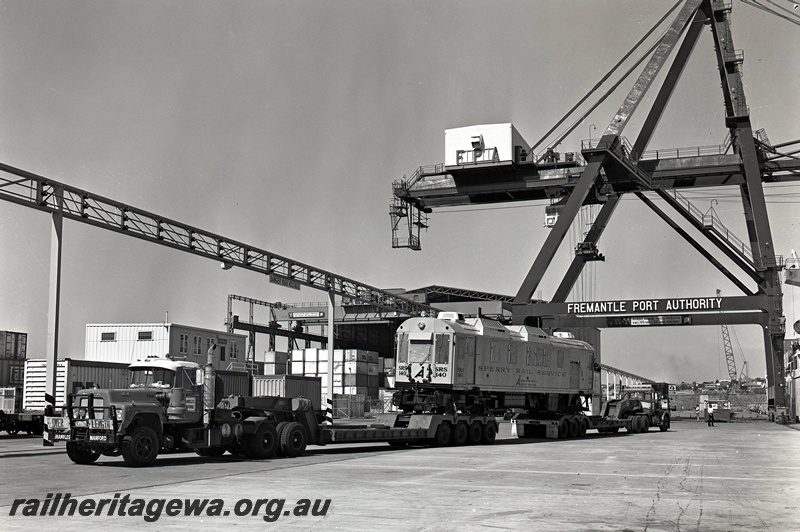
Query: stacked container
275	363
355	371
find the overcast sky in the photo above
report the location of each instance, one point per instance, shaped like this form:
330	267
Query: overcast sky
283	125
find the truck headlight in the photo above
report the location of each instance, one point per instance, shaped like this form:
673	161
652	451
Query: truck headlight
119	414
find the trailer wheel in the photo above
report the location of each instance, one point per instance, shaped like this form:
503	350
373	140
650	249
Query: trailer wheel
563	428
574	428
444	434
645	423
81	456
293	439
475	433
461	433
141	447
633	425
489	433
664	427
264	442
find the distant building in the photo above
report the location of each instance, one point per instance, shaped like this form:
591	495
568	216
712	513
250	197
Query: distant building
128	342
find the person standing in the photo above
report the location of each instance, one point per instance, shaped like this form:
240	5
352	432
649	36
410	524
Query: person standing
710	415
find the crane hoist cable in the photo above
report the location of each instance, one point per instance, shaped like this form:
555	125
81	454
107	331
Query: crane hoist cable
605	95
766	9
608	75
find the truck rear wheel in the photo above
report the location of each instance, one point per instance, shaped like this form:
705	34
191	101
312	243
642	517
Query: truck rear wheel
664	427
293	439
461	433
141	447
563	428
82	456
264	442
574	428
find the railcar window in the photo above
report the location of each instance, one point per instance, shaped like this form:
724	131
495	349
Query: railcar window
420	351
494	353
402	349
442	349
512	354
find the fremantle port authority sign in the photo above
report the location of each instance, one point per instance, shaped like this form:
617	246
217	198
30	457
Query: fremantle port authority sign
693	304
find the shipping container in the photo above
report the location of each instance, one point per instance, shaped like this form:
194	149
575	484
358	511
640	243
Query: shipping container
348	406
289	386
276	357
10	400
12	372
372	369
13	345
297	367
274	368
235	382
71	376
356	368
356	380
356	355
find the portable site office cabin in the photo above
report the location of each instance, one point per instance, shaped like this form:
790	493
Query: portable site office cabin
129	342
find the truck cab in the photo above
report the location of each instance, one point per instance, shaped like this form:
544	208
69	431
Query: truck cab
645	405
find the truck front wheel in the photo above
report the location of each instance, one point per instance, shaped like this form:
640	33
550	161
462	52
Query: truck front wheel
141	447
82	456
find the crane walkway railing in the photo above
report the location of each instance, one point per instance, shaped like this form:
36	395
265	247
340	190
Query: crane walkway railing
709	222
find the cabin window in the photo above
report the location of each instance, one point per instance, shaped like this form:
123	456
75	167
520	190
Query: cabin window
560	359
442	349
145	335
197	345
108	337
402	349
420	351
234	349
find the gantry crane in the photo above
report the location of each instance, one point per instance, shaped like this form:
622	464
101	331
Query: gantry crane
612	167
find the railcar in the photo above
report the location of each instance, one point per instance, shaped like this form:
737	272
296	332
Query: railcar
478	365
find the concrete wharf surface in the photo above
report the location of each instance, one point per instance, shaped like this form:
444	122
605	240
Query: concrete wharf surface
732	477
